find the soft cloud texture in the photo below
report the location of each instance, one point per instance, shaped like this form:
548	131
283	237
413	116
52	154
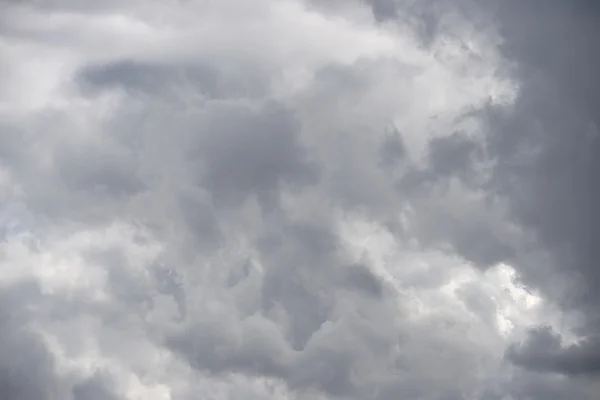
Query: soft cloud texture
298	200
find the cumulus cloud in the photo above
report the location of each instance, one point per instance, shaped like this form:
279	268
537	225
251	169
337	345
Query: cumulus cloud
298	199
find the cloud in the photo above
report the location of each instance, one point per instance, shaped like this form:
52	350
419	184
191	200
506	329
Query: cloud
286	199
544	351
546	152
27	369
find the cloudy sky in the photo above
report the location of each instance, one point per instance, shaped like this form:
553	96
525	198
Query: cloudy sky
299	199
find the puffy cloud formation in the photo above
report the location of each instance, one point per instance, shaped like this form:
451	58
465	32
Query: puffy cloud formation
299	199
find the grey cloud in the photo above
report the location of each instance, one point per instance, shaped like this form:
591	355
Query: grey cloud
317	332
169	283
220	344
156	79
376	173
27	369
393	150
302	258
15	219
244	186
304	282
256	347
479	303
452	157
448	214
13	142
452	154
357	159
59	180
430	20
67	5
243	151
125	287
99	170
130	75
201	219
547	148
384	9
361	278
545	151
545	156
531	385
96	388
543	351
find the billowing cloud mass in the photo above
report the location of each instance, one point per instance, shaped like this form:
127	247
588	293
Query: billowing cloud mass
299	199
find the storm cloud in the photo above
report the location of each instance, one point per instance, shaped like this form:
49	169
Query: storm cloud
307	199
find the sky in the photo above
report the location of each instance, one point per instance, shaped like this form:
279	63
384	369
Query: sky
299	199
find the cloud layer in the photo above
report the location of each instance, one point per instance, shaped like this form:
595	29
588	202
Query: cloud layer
299	200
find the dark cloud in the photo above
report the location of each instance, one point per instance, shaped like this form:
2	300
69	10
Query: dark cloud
360	277
245	152
27	369
546	151
543	351
100	171
153	78
95	388
129	75
393	150
452	154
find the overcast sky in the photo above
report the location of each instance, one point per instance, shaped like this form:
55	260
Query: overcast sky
299	199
